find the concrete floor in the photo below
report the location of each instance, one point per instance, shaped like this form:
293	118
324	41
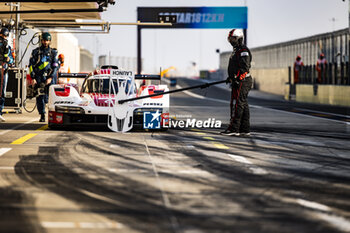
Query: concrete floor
291	175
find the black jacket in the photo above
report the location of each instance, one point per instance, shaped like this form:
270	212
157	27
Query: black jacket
239	62
43	61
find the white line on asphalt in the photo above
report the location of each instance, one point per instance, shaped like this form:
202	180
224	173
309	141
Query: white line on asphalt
313	205
240	159
202	97
100	225
4	150
99	197
189	171
126	170
58	224
82	225
256	170
255	106
173	220
184	171
7	168
336	221
16	127
327	213
189	147
160	184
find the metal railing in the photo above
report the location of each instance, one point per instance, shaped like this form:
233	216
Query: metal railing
331	74
334	46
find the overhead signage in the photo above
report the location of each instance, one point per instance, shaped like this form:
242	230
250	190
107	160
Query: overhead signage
198	17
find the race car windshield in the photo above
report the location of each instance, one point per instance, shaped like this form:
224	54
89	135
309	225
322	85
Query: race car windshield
101	86
133	89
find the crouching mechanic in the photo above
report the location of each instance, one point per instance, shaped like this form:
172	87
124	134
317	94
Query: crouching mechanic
43	66
241	83
6	60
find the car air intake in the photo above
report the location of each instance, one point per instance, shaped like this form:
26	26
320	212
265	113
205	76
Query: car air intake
62	91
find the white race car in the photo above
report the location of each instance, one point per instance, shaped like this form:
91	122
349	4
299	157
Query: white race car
97	102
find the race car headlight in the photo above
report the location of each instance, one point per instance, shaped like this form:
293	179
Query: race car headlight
68	109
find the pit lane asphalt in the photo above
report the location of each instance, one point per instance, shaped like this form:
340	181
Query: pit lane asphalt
291	175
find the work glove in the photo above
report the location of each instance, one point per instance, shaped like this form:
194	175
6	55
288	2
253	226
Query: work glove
235	83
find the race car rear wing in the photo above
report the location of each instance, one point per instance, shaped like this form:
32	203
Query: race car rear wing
147	76
73	75
85	75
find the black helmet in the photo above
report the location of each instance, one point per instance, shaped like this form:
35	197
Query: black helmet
5	32
46	36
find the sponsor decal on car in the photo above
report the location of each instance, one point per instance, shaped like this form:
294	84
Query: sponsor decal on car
63	102
152	104
120	72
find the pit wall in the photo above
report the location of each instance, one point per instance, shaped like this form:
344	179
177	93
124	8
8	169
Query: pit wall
275	81
270	80
323	94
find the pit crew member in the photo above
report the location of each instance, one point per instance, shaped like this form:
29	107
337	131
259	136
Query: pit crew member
241	83
6	60
43	67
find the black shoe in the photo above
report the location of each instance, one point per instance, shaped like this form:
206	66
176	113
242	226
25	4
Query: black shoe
229	132
42	118
225	131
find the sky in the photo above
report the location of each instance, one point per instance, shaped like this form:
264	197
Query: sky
269	22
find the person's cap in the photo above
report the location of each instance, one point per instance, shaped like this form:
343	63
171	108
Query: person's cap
46	36
5	32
